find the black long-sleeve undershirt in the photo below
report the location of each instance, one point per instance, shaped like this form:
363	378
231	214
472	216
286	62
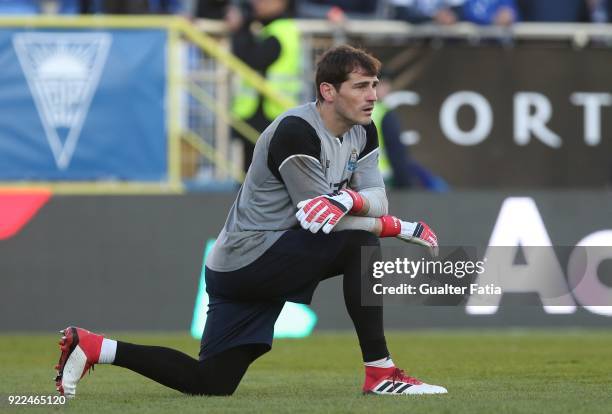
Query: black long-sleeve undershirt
255	52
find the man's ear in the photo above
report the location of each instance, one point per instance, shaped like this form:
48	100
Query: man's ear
328	91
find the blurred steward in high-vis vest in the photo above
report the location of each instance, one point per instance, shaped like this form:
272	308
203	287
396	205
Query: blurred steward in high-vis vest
266	38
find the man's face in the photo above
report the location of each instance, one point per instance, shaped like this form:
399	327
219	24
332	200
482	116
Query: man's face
355	99
265	9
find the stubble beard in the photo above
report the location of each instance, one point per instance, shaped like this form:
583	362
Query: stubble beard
350	121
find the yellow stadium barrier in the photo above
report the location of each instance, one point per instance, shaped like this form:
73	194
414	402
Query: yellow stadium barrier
178	29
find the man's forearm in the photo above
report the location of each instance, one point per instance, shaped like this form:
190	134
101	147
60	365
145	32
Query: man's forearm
387	226
370	224
375	203
390	226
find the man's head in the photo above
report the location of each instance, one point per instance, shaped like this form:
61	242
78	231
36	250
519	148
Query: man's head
267	9
346	79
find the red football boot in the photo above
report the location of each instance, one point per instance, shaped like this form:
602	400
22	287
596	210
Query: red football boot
394	381
80	351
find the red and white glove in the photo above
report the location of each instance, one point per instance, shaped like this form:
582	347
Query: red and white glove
418	233
325	211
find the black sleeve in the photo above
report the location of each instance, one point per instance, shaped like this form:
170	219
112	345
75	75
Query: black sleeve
258	54
371	140
584	13
293	136
397	153
367	174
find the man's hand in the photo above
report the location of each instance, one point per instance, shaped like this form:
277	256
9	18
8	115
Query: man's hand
418	233
233	19
323	211
421	234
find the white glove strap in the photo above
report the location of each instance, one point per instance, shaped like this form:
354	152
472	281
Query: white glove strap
344	198
408	228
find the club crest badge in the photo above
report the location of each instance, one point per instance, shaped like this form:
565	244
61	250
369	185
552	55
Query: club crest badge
63	71
352	163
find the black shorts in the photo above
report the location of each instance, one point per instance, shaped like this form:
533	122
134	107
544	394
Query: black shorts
245	303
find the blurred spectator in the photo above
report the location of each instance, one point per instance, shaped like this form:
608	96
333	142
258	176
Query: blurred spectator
115	6
19	7
110	6
68	6
553	10
490	12
321	9
267	39
166	6
65	6
598	10
211	9
395	163
131	6
444	12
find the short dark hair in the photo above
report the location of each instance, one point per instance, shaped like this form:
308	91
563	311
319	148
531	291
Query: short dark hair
338	63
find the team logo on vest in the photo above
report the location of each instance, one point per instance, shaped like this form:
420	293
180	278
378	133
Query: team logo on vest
352	163
63	71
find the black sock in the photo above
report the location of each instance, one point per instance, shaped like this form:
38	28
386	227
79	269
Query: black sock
368	320
217	375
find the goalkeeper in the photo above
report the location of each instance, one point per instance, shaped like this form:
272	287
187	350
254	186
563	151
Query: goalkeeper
312	198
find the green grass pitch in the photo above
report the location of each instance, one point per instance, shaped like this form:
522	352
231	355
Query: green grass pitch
485	372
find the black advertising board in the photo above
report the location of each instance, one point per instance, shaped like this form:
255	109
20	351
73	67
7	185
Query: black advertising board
78	255
528	115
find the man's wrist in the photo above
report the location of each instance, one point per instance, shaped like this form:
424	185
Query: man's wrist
358	201
391	226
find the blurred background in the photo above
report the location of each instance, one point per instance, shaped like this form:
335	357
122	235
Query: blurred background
126	128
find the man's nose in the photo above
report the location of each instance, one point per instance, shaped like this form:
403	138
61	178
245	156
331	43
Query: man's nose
372	95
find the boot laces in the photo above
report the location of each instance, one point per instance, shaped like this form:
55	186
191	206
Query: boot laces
400	375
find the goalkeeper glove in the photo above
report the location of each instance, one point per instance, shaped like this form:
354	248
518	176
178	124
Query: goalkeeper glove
418	233
326	210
